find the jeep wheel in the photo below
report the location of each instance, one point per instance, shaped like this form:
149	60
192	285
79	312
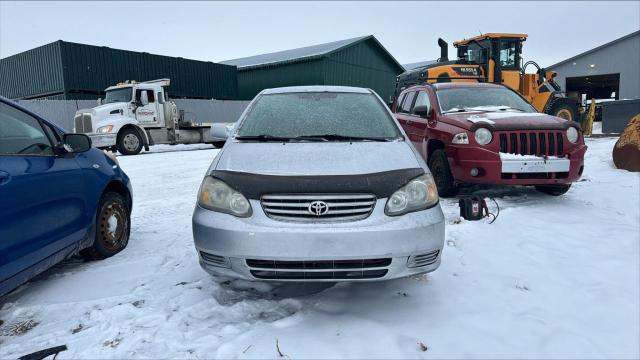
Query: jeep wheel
129	142
113	225
439	166
554	190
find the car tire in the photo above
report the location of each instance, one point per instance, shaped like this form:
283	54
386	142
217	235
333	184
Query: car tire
554	190
129	142
564	108
439	166
218	144
113	227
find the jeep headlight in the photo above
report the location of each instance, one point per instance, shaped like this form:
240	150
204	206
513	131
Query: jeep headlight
104	129
217	196
460	138
419	194
483	136
572	134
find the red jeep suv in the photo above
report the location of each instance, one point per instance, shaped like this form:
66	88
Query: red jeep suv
480	133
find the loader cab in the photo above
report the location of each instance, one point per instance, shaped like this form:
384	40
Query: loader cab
497	54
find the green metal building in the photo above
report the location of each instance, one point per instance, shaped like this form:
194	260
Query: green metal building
361	62
65	70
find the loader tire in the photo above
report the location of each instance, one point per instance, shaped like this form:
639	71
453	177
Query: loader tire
564	108
439	166
129	142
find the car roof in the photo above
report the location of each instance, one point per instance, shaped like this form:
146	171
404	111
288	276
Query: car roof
316	88
461	85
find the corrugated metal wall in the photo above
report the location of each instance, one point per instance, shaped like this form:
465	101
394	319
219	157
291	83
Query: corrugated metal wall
61	112
364	65
77	71
92	68
36	72
251	82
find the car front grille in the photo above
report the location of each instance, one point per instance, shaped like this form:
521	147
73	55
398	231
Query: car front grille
318	208
532	143
82	123
319	269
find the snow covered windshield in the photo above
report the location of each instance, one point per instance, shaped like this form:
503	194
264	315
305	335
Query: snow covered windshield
321	116
478	99
118	95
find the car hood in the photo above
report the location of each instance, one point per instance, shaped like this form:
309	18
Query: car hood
500	120
106	109
316	158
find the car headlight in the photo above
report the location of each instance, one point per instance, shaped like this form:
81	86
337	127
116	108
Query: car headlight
419	194
217	196
483	136
460	138
104	129
572	134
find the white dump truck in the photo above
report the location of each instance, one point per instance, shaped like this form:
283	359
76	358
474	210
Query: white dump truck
134	115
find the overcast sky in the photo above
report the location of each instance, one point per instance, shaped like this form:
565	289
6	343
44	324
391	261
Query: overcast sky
216	31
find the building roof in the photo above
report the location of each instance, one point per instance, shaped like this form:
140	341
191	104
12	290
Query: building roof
301	54
636	33
415	65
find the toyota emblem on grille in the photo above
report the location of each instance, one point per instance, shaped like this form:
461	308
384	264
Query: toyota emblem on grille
318	208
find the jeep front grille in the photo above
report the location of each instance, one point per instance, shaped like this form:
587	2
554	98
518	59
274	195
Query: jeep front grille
82	123
298	207
532	143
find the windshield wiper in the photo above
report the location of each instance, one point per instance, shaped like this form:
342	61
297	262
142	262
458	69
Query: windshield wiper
511	108
264	137
332	137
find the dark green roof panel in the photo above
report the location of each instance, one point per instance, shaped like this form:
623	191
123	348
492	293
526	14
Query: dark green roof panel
33	73
84	71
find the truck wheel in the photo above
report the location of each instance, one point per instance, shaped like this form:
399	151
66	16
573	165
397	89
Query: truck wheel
129	142
554	190
564	108
439	166
113	225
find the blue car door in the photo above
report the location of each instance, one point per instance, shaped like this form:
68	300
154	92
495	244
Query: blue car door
42	205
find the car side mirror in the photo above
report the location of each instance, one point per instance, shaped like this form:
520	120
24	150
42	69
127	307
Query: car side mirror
144	98
423	111
76	143
219	130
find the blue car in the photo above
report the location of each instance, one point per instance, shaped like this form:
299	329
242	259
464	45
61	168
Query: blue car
58	197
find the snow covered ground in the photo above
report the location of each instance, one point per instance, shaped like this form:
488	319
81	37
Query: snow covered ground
552	277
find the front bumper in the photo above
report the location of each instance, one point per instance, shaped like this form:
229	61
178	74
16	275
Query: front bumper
103	140
496	168
318	251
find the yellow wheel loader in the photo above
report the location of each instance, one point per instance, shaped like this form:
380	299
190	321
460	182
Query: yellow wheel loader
495	58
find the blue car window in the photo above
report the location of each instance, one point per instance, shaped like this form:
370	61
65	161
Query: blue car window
21	133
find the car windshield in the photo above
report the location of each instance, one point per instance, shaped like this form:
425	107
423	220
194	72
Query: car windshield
118	95
318	116
478	99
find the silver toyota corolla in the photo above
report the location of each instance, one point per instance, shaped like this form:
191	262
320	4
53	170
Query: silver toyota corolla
318	183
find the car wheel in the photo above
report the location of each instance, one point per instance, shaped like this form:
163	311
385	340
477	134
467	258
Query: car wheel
129	142
218	144
439	166
555	190
113	225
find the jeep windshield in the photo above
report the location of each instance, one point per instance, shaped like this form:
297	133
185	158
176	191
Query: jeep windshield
318	116
118	95
479	99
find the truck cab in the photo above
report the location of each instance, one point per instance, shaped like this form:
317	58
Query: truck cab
134	115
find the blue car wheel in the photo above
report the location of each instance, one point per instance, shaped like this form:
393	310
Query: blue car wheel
113	225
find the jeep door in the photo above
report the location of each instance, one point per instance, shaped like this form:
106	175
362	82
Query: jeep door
42	202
